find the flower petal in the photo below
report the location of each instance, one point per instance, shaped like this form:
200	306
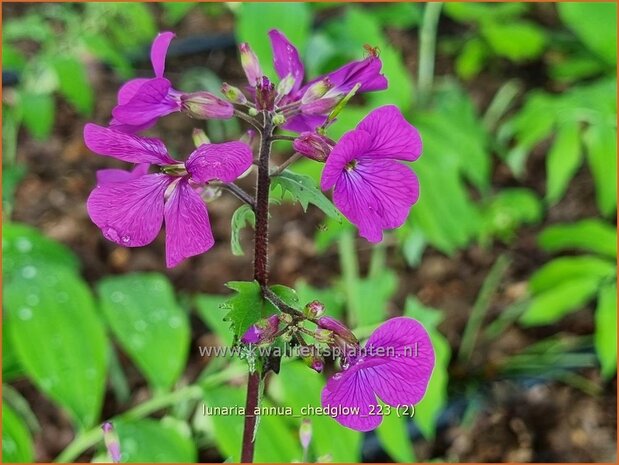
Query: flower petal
365	72
129	89
188	230
392	135
349	146
159	50
404	378
304	123
350	399
286	58
154	99
126	147
225	162
107	176
376	195
129	213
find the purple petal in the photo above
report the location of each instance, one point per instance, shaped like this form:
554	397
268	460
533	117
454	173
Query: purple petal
154	99
225	162
129	89
404	378
188	230
352	390
352	144
127	147
129	213
159	50
107	176
392	136
365	72
304	123
286	58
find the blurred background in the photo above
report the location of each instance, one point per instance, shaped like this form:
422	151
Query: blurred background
508	258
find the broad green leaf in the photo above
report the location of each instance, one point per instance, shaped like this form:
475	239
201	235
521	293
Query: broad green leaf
374	293
590	235
299	387
17	444
49	306
38	113
479	12
472	58
245	307
393	436
595	24
398	15
563	269
516	40
73	82
601	143
275	441
102	47
242	216
605	336
143	313
255	20
210	310
509	209
152	441
11	367
174	12
11	177
303	189
562	161
12	59
550	306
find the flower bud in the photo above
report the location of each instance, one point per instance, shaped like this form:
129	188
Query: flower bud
313	145
320	106
338	328
262	331
323	335
279	119
305	433
199	137
252	112
315	362
314	309
233	94
285	86
250	64
265	94
316	90
112	444
204	105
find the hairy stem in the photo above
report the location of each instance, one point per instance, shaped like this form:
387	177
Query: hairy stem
238	193
261	274
280	169
427	49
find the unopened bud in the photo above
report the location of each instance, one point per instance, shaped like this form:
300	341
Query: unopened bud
305	433
112	444
317	90
313	145
320	107
314	309
233	94
338	328
279	119
323	335
315	362
204	105
250	64
285	86
252	112
286	318
199	137
265	94
262	331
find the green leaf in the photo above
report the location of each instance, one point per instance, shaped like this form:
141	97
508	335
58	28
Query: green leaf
595	24
17	444
73	81
562	161
393	436
550	306
398	15
152	441
605	336
590	235
516	40
601	143
472	58
563	269
143	313
210	310
11	177
509	209
304	190
12	59
245	307
38	113
49	306
272	16
241	217
174	12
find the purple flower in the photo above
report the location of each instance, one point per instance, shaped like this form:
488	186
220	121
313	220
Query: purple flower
395	365
130	207
262	331
112	444
313	145
142	101
372	188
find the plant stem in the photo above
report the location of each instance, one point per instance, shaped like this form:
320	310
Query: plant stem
427	50
261	275
238	193
245	117
279	170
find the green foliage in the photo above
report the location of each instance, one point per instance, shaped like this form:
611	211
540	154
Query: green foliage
605	336
143	314
242	216
73	83
591	235
16	439
508	210
303	189
393	436
210	310
38	113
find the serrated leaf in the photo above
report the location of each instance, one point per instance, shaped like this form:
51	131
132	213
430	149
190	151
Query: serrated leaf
17	444
245	307
562	161
210	310
73	83
605	336
304	190
591	235
50	306
142	311
242	216
601	143
563	269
